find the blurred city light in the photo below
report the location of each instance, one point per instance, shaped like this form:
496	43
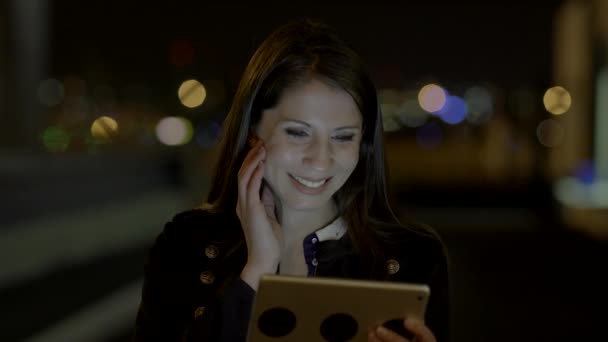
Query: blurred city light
192	93
432	98
575	193
104	129
389	103
174	131
453	111
479	105
585	172
390	124
550	133
557	100
411	115
600	123
429	136
50	92
55	139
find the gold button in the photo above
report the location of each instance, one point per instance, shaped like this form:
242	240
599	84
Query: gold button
199	311
392	266
212	252
207	278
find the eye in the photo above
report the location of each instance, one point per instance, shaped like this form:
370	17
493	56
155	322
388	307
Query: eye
298	133
345	137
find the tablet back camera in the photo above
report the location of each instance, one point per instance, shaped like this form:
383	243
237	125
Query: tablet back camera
277	322
339	327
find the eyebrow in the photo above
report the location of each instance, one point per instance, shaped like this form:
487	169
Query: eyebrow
308	125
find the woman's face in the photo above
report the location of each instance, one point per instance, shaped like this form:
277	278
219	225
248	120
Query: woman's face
312	139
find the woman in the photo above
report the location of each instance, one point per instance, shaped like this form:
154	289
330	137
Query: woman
299	189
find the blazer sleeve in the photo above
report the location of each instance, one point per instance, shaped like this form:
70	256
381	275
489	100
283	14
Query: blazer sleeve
188	295
424	260
438	307
166	301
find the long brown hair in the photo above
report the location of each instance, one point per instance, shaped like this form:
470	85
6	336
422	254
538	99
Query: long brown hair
293	53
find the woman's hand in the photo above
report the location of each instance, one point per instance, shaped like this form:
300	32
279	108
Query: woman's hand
420	331
256	213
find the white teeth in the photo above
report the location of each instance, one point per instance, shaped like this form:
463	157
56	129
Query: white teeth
309	183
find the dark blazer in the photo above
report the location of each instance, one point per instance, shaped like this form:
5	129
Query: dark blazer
193	292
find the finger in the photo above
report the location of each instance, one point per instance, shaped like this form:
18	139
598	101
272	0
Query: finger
372	337
420	330
389	335
250	159
247	169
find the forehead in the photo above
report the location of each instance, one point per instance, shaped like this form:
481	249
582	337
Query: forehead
317	103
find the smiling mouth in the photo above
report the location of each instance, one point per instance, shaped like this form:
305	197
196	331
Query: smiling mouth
308	183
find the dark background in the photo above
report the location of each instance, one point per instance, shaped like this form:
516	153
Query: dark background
75	224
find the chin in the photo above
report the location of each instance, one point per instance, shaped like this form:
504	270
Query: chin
307	205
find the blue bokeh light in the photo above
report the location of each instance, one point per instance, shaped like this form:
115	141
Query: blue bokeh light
454	111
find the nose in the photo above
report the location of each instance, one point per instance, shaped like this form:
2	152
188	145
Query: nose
319	156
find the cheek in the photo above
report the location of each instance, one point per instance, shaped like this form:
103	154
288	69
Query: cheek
278	156
349	158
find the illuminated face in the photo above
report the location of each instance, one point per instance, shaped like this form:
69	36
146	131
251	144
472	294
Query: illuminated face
312	139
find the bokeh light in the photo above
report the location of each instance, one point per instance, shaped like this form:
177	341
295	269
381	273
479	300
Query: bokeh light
429	136
174	131
390	124
192	93
454	110
74	86
55	139
479	105
50	92
585	172
104	129
550	133
557	100
432	98
411	115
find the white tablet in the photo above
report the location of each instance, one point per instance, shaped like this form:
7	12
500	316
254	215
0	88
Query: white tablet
290	308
